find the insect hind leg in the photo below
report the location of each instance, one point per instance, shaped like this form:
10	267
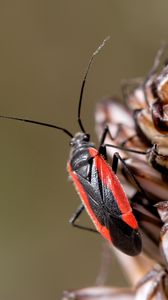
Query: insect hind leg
116	158
76	215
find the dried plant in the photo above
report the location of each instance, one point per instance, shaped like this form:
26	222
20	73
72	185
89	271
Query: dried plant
142	126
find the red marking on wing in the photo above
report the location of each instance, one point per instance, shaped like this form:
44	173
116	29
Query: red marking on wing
110	180
130	219
83	195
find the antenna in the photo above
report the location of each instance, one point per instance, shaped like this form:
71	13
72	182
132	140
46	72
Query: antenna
84	81
38	123
79	106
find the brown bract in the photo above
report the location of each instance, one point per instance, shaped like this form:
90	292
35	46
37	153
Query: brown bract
153	223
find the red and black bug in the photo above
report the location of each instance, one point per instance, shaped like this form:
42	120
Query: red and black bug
98	187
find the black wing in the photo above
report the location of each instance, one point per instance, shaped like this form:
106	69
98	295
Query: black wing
100	197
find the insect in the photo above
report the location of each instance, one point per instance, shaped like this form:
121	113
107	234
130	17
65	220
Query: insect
100	191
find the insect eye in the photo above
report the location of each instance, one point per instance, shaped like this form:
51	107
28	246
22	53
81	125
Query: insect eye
86	137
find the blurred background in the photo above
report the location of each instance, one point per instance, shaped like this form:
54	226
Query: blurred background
45	48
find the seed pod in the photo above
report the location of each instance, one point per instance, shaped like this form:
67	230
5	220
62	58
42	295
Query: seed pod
151	123
151	93
153	230
110	112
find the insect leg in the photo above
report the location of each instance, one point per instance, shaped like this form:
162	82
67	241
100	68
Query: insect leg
106	130
103	152
102	149
117	157
127	149
76	215
115	164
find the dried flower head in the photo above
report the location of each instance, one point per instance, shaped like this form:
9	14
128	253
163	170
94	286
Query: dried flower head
138	132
